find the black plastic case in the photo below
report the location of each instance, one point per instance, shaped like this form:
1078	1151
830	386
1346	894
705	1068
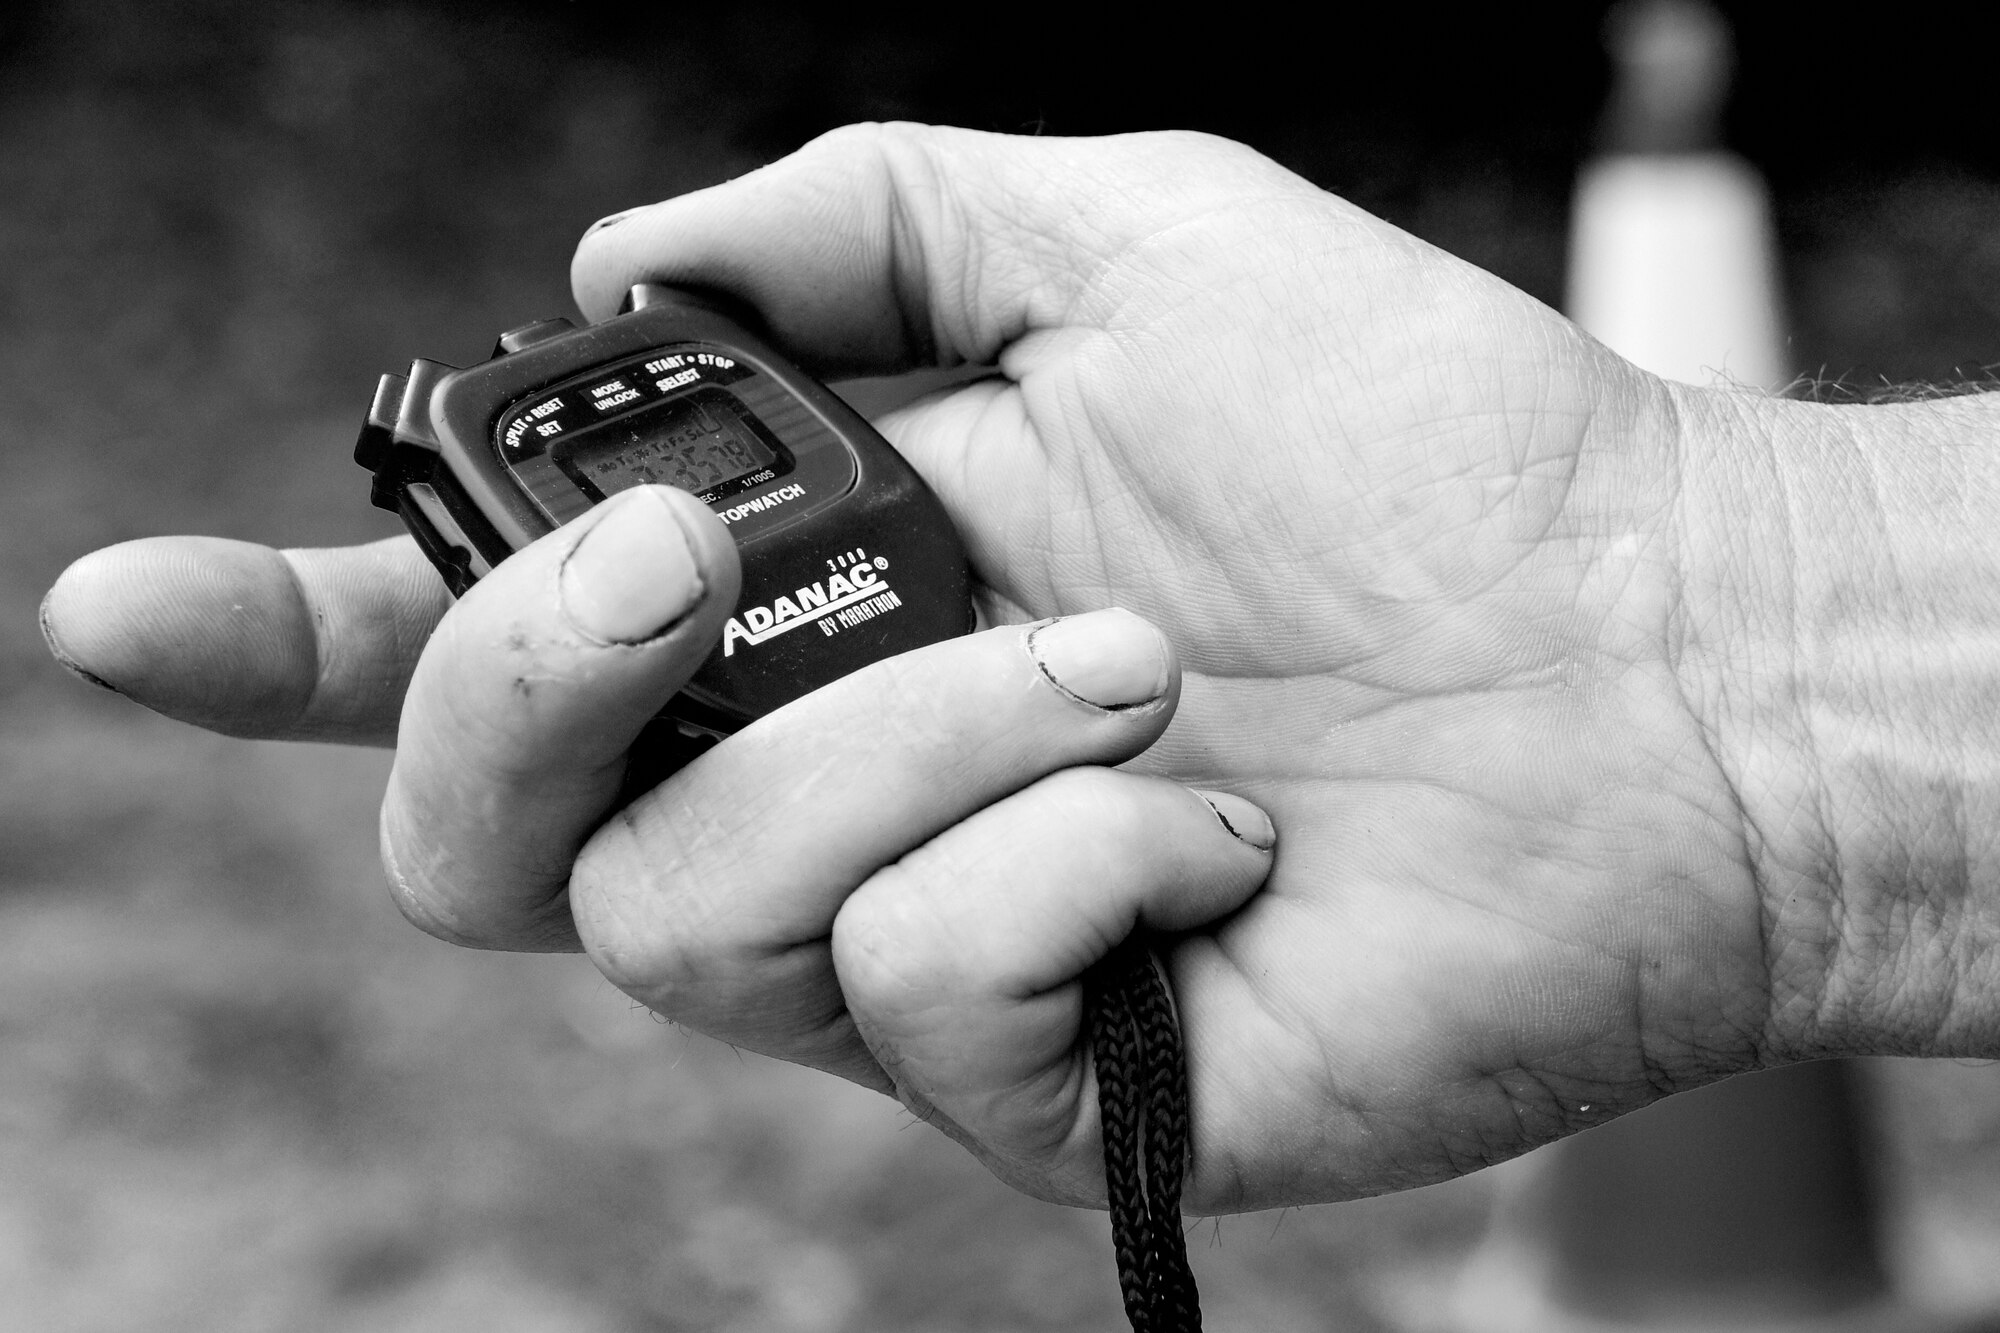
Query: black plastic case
847	555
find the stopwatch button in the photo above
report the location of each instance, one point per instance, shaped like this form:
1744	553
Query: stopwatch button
649	293
441	538
513	340
379	429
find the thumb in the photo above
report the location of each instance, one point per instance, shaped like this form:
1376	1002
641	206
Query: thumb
877	248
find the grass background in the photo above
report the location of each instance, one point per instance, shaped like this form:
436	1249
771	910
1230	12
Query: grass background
236	1092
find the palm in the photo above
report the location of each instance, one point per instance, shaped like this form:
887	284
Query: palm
1437	654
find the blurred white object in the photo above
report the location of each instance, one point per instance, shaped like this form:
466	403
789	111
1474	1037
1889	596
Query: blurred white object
1672	259
1673	265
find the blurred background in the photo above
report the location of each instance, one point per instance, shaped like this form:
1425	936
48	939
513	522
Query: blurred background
236	1092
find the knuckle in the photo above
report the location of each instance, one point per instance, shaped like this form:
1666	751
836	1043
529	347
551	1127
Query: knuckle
412	887
1109	804
636	905
882	152
873	139
930	716
880	937
843	141
442	896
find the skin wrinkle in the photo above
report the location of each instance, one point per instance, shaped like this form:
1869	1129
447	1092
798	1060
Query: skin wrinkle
745	986
1080	1142
832	1043
1649	1031
1483	907
321	637
1436	597
1423	1142
1042	381
960	481
1819	794
910	155
1209	545
1651	1068
437	912
1679	631
1926	922
1063	1131
1549	508
1093	302
1428	616
1080	473
293	612
1758	841
1498	912
1008	398
1211	1158
1310	769
413	906
1907	683
1536	1105
838	1035
907	257
626	838
1063	1163
1279	1015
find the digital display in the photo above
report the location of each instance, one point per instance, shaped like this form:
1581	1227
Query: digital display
700	442
691	415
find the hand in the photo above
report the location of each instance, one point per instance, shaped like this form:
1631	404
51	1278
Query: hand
1417	543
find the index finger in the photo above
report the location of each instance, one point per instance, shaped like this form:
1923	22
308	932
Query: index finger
878	248
250	641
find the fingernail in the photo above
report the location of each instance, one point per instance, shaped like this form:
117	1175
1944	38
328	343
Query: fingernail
1108	659
62	655
606	223
1247	823
631	576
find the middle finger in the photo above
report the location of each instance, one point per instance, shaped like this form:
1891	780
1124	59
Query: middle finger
711	899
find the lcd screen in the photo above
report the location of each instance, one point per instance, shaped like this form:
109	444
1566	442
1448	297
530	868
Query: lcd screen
701	442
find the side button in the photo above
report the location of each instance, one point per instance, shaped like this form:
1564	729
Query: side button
441	538
513	340
378	431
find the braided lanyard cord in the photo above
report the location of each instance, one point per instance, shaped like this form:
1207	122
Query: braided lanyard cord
1142	1095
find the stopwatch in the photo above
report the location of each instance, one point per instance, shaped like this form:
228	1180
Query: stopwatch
847	556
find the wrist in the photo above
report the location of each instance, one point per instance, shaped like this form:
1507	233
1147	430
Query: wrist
1839	639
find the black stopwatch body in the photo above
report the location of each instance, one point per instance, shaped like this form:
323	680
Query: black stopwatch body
847	556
